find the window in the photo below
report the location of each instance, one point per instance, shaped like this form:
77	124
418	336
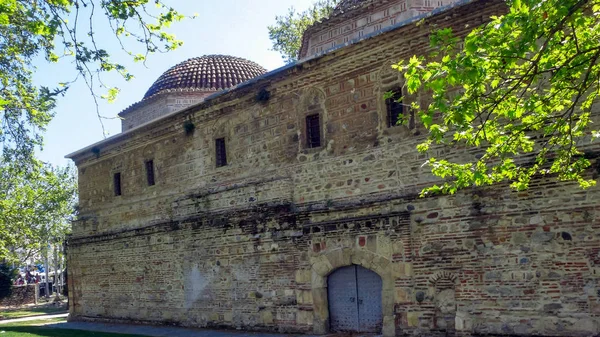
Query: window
117	183
150	172
394	107
313	131
221	152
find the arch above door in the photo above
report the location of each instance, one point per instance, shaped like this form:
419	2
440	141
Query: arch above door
354	295
328	262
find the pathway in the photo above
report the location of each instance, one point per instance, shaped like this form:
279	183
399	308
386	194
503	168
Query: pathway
161	331
149	330
33	318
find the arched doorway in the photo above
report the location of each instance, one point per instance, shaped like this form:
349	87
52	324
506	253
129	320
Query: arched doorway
354	296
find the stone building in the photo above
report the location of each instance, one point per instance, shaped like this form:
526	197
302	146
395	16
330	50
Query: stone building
289	202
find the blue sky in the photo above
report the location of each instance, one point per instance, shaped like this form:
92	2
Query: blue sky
232	27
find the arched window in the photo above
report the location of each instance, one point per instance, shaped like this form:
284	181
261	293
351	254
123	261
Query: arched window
313	131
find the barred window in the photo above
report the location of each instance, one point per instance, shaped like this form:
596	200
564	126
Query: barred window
150	172
394	107
220	152
313	131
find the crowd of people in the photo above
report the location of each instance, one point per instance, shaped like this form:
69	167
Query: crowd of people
28	278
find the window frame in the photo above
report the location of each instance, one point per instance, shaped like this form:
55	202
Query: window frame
220	152
313	132
150	172
117	182
391	106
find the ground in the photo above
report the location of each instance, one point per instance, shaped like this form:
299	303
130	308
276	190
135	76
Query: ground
34	310
51	326
43	328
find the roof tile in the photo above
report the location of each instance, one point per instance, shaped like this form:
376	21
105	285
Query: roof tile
210	72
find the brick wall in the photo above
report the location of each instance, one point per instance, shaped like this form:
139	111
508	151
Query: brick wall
160	105
250	245
363	21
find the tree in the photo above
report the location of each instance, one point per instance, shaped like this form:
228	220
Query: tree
518	95
36	208
286	34
66	29
36	199
7	275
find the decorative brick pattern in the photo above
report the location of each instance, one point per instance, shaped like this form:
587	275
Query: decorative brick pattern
355	19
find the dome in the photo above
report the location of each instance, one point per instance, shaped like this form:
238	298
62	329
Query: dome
209	73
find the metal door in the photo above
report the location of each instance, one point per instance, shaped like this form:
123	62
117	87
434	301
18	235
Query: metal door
354	295
341	293
369	300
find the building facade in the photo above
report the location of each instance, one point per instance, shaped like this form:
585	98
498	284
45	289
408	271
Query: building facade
355	19
290	203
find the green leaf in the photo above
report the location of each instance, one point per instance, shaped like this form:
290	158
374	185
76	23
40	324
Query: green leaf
522	90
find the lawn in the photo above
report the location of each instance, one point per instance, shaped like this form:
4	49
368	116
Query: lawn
46	309
36	328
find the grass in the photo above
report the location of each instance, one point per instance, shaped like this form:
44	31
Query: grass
32	311
39	328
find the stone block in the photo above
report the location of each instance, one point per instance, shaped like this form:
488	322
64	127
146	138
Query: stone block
536	220
317	281
304	296
381	265
363	258
461	321
372	243
398	247
339	258
401	269
308	297
541	237
404	295
321	309
389	326
266	317
387	302
322	268
413	318
304	317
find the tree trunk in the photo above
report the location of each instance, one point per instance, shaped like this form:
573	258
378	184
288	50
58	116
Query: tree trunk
47	290
56	273
59	281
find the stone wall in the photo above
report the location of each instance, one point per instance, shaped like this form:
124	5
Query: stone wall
159	105
250	245
21	295
362	21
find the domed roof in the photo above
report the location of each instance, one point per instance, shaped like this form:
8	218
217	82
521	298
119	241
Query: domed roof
209	72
